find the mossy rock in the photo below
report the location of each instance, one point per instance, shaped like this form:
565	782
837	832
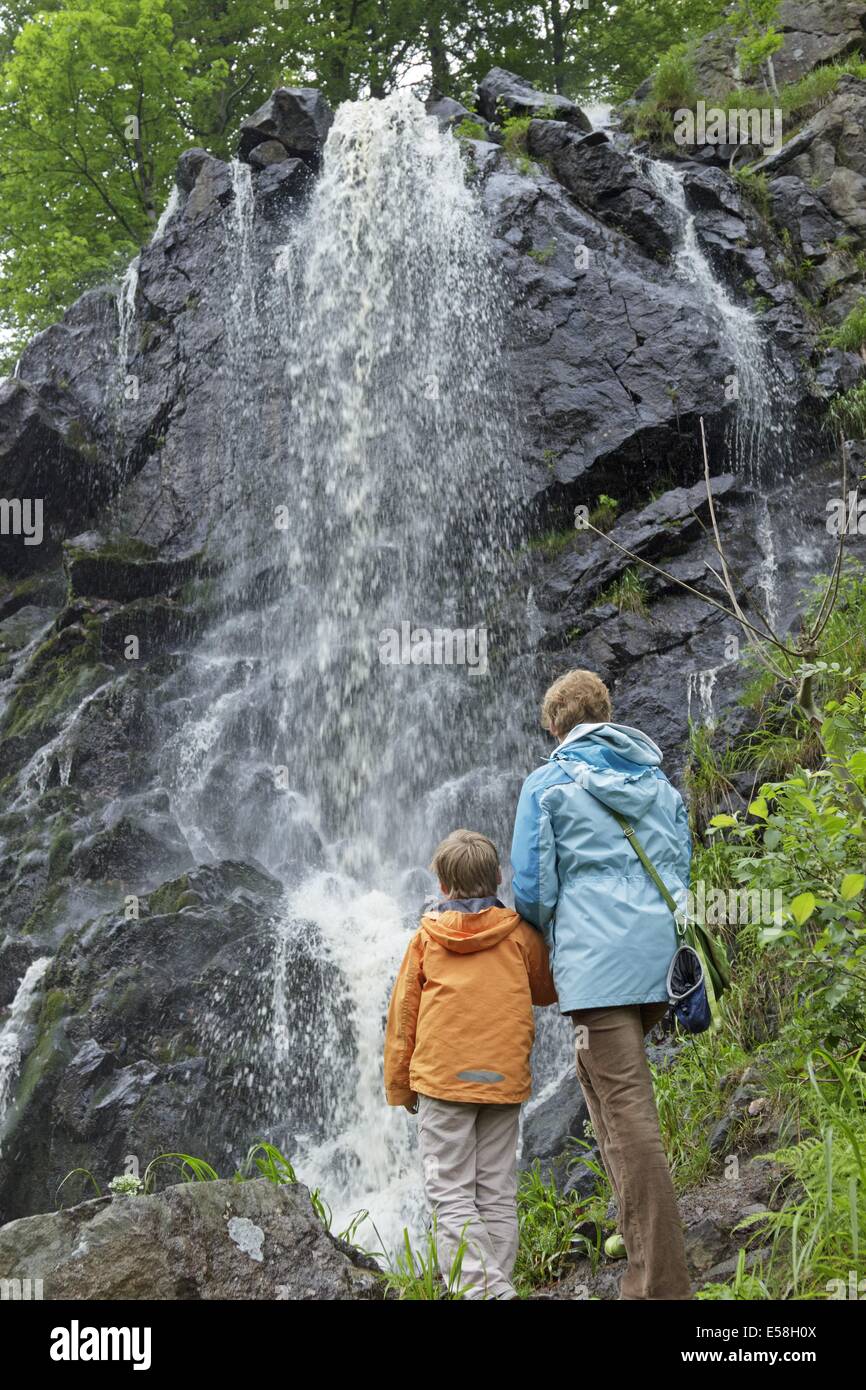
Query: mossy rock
123	569
166	900
60	674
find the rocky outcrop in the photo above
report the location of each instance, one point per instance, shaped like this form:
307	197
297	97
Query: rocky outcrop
617	350
817	183
813	32
503	91
293	123
199	1240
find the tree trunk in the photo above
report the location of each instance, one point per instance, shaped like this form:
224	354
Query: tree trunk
440	73
557	45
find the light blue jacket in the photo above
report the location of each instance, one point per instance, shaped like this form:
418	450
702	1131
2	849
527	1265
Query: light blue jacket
610	933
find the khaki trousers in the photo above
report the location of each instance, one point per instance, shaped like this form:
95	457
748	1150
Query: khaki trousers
617	1085
469	1161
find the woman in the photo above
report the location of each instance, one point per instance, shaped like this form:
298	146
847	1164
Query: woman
611	939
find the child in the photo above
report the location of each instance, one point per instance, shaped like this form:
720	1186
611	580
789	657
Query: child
459	1034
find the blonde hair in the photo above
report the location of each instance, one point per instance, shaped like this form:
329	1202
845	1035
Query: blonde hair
467	864
578	697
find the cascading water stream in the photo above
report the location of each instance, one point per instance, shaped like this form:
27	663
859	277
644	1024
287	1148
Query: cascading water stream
371	490
756	442
13	1033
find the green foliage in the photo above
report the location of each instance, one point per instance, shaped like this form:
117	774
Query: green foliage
817	1232
746	1285
850	335
847	412
806	840
413	1275
470	130
514	132
549	1224
614	46
552	543
86	161
604	513
707	776
754	21
628	593
543	254
756	188
797	100
674	86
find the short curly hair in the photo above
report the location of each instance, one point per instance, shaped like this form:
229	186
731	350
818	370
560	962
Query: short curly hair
578	697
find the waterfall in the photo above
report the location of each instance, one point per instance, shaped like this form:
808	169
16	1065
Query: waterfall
756	438
756	445
126	293
13	1033
343	719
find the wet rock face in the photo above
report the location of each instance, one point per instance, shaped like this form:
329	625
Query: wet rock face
228	1240
294	120
133	1005
616	352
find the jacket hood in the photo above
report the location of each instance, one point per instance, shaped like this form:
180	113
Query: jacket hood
466	932
615	763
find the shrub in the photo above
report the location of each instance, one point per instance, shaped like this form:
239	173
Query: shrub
850	335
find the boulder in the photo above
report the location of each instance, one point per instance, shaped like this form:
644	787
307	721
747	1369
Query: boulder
604	179
297	118
450	113
503	89
198	1240
551	1125
281	183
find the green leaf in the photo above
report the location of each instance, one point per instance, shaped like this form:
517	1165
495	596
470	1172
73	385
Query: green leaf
772	933
802	907
772	838
759	808
718	821
852	886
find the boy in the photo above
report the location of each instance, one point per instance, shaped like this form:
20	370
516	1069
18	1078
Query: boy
457	1044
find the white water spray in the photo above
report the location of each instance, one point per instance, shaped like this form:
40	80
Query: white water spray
371	482
13	1033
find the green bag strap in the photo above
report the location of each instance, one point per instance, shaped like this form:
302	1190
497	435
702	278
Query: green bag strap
630	834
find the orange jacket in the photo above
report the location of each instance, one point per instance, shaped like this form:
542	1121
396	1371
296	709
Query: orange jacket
460	1024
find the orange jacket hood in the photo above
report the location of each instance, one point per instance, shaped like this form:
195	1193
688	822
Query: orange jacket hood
466	932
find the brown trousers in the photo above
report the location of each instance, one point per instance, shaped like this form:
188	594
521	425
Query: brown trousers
617	1084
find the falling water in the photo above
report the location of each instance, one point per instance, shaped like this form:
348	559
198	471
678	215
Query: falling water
127	290
756	438
369	435
12	1034
756	444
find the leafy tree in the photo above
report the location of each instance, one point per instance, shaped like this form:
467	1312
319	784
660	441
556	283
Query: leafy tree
89	134
754	21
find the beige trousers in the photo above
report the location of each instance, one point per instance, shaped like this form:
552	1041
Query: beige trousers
617	1085
469	1161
